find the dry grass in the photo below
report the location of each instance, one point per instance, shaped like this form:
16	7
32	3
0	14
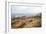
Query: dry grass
34	21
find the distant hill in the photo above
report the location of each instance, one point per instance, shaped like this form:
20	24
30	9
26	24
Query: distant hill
19	15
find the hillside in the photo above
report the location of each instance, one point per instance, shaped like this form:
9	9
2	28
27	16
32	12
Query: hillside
26	22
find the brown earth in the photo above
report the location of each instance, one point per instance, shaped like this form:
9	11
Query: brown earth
26	22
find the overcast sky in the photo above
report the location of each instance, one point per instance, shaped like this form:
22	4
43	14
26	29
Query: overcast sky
25	10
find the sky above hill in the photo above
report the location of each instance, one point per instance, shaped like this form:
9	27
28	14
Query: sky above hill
25	10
